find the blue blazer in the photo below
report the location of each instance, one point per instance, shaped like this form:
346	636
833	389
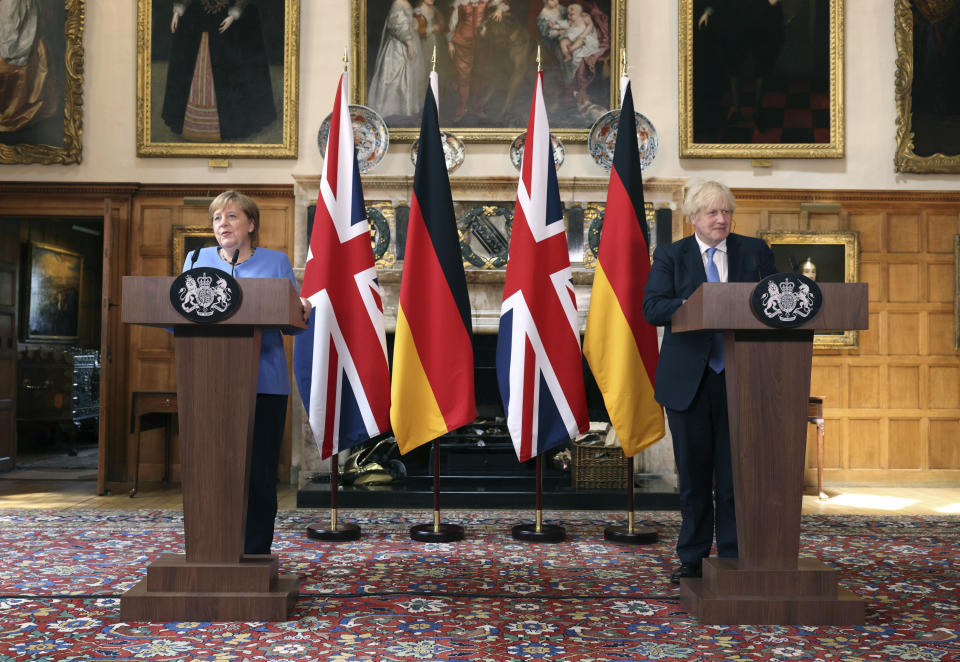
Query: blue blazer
676	272
274	377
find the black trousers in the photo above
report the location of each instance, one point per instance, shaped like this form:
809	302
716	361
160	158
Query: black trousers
701	448
269	418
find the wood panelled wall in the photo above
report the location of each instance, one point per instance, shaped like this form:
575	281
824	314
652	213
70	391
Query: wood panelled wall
156	210
891	405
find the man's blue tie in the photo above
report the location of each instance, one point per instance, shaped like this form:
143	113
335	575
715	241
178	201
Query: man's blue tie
716	351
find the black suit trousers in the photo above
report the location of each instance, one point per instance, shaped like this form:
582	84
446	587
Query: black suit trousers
701	448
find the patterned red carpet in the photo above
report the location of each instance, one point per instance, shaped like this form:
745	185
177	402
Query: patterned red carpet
488	597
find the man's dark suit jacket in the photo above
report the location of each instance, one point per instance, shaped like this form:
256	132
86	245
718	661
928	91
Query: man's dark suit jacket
676	272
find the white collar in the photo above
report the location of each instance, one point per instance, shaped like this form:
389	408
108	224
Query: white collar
722	246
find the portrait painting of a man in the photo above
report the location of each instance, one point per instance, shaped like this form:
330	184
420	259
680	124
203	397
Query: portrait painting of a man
762	73
486	60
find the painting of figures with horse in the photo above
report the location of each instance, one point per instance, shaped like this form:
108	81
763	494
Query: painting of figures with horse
486	61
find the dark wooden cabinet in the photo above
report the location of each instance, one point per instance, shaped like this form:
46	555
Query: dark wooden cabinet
59	388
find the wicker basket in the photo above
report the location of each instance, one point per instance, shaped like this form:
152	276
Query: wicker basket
599	467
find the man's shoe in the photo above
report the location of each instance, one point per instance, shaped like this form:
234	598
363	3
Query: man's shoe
686	570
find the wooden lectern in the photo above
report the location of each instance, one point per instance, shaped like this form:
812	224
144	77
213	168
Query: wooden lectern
768	388
217	368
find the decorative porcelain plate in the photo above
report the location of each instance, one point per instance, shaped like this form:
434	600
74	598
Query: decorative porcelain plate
603	139
453	151
516	150
370	136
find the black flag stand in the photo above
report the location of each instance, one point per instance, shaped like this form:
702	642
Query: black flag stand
632	535
436	532
539	532
337	532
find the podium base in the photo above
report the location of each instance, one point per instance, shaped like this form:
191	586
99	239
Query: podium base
444	533
547	533
343	532
641	535
729	594
179	590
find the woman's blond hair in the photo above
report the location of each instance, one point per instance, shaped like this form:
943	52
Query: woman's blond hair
247	206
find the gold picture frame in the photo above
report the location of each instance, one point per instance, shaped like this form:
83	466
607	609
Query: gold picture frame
53	294
187	238
836	256
53	135
920	125
717	109
591	85
261	131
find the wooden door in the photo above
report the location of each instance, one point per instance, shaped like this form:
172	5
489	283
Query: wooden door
9	272
108	321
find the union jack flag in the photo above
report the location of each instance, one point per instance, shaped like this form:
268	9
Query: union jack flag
340	361
539	366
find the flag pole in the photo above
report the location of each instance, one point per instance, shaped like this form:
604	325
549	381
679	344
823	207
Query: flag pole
539	532
436	532
337	532
631	534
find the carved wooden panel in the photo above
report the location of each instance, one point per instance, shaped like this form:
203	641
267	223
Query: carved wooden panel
904	387
892	404
940	231
154	230
870	227
865	437
864	383
944	449
824	222
940	334
905	283
904	451
870	338
903	232
872	275
904	333
944	387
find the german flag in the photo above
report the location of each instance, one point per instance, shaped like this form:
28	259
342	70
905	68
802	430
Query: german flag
620	346
432	390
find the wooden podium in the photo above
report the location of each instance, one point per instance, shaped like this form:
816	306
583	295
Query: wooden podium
217	368
768	388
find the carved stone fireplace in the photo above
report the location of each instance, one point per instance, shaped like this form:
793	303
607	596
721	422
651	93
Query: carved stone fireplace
483	207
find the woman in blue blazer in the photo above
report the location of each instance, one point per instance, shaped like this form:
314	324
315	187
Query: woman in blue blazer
236	223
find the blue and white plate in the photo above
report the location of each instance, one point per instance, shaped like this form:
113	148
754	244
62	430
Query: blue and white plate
370	136
516	150
453	151
602	139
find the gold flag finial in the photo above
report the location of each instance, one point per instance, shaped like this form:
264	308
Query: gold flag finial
623	61
344	59
539	68
434	58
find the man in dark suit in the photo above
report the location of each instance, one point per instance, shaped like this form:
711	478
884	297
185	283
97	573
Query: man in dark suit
690	379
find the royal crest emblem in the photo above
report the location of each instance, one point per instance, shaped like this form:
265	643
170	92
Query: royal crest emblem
786	299
205	295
